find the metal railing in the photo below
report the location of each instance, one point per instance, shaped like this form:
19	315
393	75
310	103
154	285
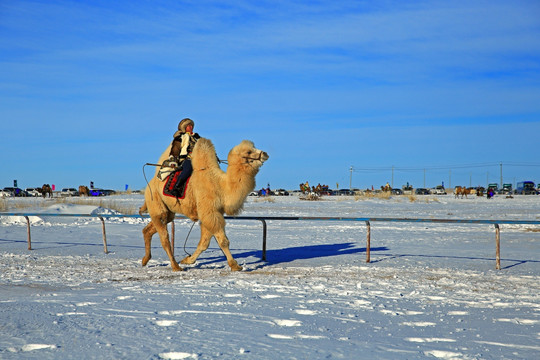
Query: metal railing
263	219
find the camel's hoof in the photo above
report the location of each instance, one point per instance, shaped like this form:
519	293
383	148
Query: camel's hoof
176	267
145	260
186	261
236	268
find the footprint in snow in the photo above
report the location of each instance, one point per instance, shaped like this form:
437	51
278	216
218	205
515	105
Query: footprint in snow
177	355
32	347
288	322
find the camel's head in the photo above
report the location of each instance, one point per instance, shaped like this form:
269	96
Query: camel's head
245	153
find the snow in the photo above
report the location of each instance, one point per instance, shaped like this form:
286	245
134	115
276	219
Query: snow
430	291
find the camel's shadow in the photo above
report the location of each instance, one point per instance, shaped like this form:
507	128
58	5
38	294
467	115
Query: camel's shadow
290	254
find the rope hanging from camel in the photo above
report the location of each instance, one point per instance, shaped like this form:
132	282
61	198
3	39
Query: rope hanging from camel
185	242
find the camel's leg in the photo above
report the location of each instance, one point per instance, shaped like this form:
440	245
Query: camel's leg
160	225
148	231
223	242
204	242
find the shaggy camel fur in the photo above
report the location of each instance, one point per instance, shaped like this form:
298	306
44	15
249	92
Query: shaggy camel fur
46	190
84	191
461	190
211	194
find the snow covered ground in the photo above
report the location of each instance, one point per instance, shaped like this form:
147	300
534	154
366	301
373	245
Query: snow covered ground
431	290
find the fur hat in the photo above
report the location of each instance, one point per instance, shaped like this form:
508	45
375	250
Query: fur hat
184	123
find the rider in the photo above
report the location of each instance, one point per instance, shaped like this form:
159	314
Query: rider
181	148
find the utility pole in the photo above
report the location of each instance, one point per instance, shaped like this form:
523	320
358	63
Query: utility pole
350	179
501	177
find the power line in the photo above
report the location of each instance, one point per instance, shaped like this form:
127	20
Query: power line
441	167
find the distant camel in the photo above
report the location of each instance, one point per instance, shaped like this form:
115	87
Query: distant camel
46	190
211	194
461	190
84	191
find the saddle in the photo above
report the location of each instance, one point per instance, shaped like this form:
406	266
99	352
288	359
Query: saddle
171	189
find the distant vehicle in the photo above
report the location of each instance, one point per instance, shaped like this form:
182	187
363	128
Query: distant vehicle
327	192
397	192
438	190
69	192
493	186
421	191
15	191
108	192
281	192
506	189
407	189
5	194
343	192
33	192
526	188
97	192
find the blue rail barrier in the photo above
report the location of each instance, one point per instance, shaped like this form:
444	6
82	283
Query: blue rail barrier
263	219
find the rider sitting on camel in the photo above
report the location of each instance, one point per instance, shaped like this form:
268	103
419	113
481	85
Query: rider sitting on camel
181	148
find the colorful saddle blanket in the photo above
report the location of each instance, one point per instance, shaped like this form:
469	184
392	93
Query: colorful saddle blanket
170	188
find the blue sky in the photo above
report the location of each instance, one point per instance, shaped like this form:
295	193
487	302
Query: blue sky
438	91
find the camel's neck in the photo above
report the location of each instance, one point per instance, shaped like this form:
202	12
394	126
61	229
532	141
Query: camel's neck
239	184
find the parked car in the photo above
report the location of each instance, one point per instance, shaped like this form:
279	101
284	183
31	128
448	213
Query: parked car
33	192
343	192
507	189
407	189
97	192
281	192
526	188
493	186
421	191
397	192
69	192
15	191
438	190
5	194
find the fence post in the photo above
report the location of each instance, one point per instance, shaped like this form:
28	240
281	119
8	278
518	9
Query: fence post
497	247
28	232
264	240
368	242
104	235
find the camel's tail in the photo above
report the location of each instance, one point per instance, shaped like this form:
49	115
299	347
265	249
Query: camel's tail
143	209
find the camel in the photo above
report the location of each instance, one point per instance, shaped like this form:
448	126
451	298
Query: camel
211	194
84	191
386	188
461	190
46	190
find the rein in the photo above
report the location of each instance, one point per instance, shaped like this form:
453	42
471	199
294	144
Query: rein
257	158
